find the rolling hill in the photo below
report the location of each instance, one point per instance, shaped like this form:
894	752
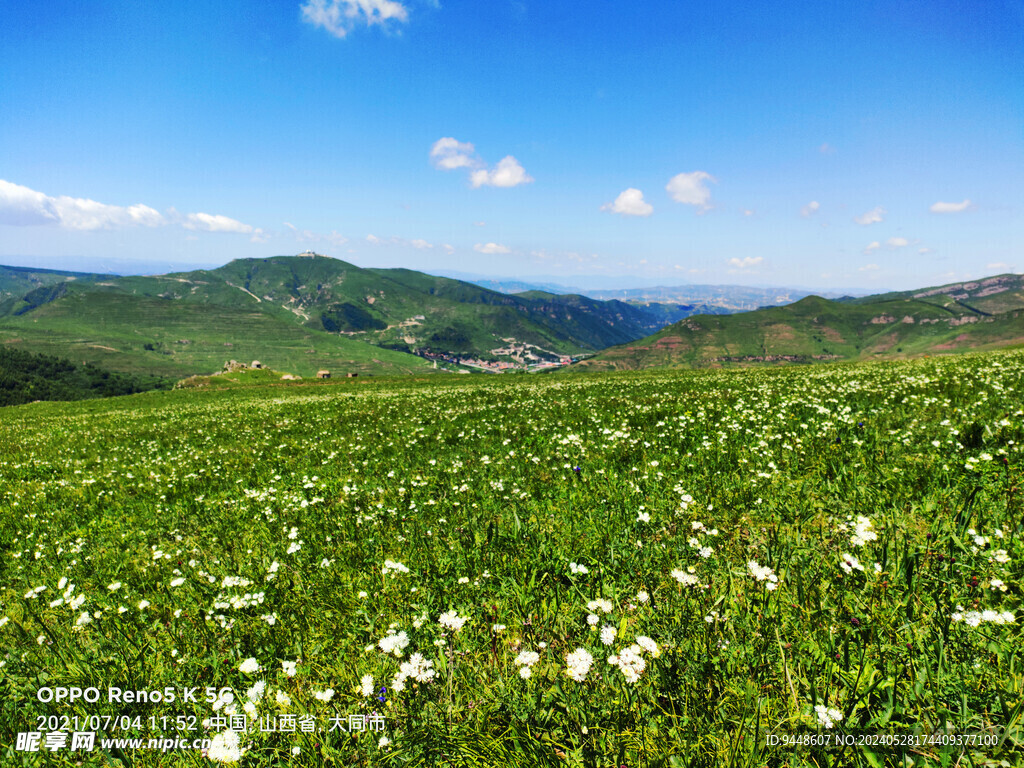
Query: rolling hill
981	314
302	313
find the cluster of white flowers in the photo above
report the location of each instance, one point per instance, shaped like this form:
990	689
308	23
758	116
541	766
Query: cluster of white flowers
577	568
225	747
393	642
849	563
578	664
863	532
452	620
255	693
764	573
685	499
686	578
630	662
324	696
827	717
997	585
695	542
249	666
1001	556
392	567
272	571
974	618
418	668
971	461
289	668
600	604
366	686
642	597
648	645
608	633
238	602
525	660
225	700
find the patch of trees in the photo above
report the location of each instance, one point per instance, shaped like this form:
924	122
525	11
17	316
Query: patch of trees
26	377
349	317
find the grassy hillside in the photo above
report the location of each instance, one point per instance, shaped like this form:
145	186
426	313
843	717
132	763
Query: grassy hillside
304	313
817	330
16	282
121	330
988	296
802	553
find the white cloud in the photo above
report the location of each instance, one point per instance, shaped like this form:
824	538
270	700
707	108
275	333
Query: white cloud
1001	265
208	222
339	17
941	207
490	248
810	209
868	268
690	189
872	247
897	242
372	239
22	206
420	244
449	248
507	173
747	262
827	149
873	216
923	251
748	212
630	202
449	154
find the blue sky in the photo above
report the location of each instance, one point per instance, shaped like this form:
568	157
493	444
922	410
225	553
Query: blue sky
829	145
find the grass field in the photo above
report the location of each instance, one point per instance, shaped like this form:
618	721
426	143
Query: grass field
667	569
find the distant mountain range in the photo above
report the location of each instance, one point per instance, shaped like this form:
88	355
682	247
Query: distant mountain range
715	299
981	314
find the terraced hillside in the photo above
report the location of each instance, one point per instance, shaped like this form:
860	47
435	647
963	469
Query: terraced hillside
984	314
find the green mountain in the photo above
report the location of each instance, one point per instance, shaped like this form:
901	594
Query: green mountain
303	313
982	314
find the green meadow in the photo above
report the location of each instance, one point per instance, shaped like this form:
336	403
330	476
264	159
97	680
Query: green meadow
629	569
